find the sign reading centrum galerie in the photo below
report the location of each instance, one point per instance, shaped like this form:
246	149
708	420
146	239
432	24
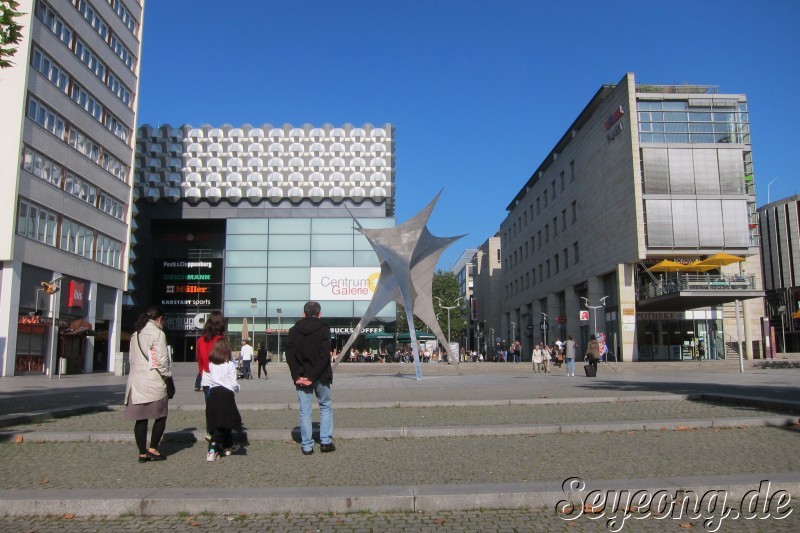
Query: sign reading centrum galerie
343	283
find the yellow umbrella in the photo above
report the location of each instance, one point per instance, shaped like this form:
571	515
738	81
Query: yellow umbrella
721	259
697	266
245	332
665	266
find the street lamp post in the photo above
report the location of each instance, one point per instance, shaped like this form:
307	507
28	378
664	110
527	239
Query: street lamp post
53	288
253	305
594	309
544	327
278	312
448	316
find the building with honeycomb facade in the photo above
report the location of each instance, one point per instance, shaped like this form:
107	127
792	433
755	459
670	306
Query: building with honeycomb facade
256	220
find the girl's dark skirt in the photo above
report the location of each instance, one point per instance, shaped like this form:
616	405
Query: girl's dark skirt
221	410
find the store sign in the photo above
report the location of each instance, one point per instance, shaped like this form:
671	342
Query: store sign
615	116
183	286
189	322
343	284
76	294
474	309
349	331
583	315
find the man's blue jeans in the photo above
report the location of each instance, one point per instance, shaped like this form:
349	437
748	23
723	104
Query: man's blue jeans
323	394
570	366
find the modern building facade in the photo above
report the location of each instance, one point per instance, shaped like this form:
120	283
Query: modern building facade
256	220
68	119
644	174
486	305
779	225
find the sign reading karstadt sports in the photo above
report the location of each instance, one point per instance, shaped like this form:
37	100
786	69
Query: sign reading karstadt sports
338	283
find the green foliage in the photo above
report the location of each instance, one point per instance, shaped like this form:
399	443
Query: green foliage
447	288
10	31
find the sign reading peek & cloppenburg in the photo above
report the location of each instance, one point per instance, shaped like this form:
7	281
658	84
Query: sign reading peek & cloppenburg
334	283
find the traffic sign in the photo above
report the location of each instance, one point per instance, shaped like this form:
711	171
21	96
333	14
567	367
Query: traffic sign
584	315
543	326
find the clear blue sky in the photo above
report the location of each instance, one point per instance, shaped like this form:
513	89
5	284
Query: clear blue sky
478	91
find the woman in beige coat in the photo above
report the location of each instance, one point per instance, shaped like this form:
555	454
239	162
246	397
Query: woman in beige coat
146	392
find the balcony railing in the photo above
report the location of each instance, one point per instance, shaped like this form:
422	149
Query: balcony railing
679	282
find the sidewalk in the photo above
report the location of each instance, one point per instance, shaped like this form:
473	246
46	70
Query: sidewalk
496	436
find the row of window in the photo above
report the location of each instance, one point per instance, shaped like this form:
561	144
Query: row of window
40	224
717	121
50	171
125	17
296	163
547	197
101	27
83	52
543	271
295	149
55	124
542	237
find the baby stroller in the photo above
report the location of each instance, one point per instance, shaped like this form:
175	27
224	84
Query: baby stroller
239	368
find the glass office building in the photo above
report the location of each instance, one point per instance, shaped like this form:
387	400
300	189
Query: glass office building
255	222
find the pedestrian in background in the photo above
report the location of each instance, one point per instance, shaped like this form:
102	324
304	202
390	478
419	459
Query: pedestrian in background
536	357
261	359
592	352
569	354
308	356
222	415
146	393
246	353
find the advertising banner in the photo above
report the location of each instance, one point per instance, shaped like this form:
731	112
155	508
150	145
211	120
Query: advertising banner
343	283
75	297
187	285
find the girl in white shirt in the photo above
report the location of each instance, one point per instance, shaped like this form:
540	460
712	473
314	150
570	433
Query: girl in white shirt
222	415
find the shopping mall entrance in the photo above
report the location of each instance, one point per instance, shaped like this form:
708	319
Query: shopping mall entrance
680	336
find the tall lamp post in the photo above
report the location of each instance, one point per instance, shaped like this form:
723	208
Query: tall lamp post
278	312
448	313
544	327
253	306
594	309
53	288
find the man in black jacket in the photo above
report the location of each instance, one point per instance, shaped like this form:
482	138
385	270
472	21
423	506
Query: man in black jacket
308	354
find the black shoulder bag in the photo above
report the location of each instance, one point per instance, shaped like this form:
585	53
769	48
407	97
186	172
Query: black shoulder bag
168	381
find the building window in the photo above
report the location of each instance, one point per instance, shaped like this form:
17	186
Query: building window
115	166
76	238
575	255
574	211
109	251
95	20
123	14
547	264
54	23
41	166
545	198
705	120
36	223
571	171
115	126
112	206
547	233
80	188
553	189
563	220
555	227
556	263
561	180
566	258
84	144
538	207
45	117
89	59
119	89
87	102
122	51
50	69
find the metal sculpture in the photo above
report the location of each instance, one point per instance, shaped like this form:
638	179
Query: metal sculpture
408	255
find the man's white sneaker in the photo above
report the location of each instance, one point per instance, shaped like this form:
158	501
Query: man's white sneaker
233	449
211	457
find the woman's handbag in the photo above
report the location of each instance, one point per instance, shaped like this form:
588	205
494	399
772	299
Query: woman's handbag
168	381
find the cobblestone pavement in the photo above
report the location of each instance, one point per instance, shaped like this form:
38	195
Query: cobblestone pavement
109	421
421	461
488	520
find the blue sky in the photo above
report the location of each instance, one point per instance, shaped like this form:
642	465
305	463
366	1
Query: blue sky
478	91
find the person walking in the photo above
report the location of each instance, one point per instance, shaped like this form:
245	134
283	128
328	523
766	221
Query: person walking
569	355
536	357
213	329
593	352
146	392
222	415
261	359
246	353
308	356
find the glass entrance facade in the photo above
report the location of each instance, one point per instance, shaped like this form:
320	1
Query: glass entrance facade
680	336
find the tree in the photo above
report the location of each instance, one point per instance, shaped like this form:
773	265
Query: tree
10	31
446	287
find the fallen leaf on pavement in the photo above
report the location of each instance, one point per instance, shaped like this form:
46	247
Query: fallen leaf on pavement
69	516
18	439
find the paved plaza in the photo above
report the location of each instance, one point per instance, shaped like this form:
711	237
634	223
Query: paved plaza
480	446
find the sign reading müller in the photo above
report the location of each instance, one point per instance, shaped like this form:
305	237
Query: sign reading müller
336	283
187	285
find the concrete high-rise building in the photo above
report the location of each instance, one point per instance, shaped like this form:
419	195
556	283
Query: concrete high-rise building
779	225
256	220
487	289
67	125
618	232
